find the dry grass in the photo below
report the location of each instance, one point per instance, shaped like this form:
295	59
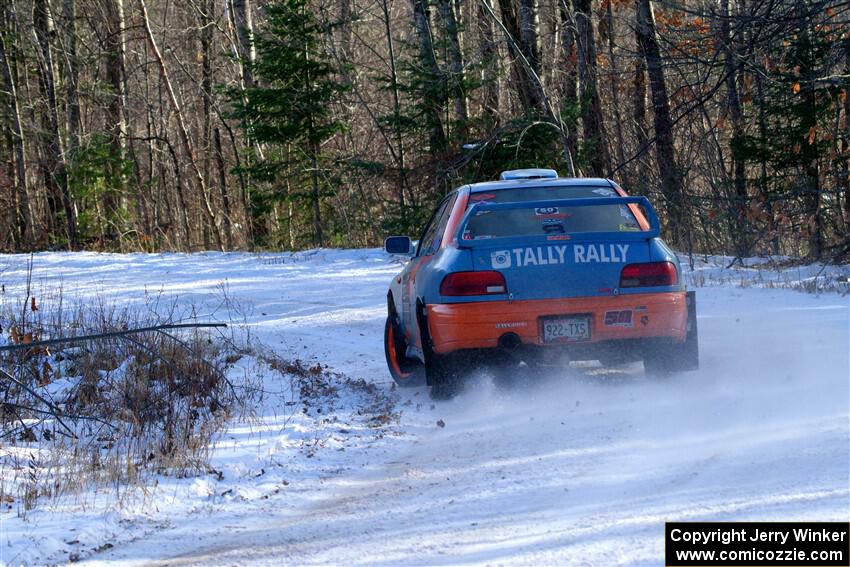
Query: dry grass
107	412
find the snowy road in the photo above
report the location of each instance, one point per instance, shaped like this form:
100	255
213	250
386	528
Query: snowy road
582	467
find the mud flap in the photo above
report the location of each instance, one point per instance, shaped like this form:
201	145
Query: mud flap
689	353
670	358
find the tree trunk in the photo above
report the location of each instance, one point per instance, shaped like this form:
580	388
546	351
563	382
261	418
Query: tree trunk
184	133
244	23
318	232
845	145
569	48
72	80
400	153
639	99
222	186
491	68
529	33
733	106
434	95
115	112
767	204
23	213
347	17
810	155
616	108
54	167
207	22
528	89
671	176
592	122
457	77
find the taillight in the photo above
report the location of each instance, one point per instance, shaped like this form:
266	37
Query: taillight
473	283
649	275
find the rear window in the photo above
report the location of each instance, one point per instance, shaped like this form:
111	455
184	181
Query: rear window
548	220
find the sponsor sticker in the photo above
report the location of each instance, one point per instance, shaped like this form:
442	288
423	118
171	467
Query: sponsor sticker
554	255
618	319
500	259
603	253
545	211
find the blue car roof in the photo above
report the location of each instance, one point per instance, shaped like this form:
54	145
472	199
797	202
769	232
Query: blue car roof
559	182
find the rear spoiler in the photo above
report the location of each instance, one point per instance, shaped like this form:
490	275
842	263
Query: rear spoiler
651	216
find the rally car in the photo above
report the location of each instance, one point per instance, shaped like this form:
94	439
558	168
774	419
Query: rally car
535	264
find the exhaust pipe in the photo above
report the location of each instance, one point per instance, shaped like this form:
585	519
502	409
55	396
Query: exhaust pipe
509	341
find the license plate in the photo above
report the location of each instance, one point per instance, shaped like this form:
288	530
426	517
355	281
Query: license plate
566	329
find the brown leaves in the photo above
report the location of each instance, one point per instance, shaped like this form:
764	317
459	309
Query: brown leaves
811	136
20	338
46	374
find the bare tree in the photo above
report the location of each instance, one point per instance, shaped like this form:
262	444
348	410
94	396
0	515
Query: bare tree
491	101
182	130
592	122
54	169
527	83
23	213
458	68
115	116
671	176
244	24
435	95
733	104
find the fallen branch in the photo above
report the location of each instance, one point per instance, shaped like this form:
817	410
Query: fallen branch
122	333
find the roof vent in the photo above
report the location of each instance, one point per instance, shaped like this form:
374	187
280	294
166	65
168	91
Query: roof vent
528	174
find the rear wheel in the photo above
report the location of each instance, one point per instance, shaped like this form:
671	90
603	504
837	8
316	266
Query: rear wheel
445	375
407	372
677	357
510	370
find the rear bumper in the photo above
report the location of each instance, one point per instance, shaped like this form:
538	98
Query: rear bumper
459	326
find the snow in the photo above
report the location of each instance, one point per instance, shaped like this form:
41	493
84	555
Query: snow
581	466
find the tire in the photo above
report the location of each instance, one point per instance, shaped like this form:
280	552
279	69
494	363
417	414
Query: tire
406	372
443	372
658	365
682	357
508	371
444	376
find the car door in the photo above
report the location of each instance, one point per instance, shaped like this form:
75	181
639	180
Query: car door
428	247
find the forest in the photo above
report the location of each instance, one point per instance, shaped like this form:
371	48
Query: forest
187	125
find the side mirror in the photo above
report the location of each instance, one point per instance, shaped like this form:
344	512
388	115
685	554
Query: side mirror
399	245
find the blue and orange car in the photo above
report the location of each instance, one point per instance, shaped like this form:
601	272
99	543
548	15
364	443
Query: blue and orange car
531	265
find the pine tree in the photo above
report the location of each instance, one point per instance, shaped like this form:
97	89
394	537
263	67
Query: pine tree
288	110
